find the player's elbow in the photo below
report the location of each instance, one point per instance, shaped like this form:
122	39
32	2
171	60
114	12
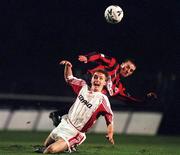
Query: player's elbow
66	80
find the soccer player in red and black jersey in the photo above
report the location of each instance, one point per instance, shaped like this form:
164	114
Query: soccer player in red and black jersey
116	72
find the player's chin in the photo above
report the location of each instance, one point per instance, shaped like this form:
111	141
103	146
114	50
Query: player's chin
96	88
124	75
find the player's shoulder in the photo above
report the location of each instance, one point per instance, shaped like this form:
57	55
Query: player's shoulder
75	80
106	102
105	98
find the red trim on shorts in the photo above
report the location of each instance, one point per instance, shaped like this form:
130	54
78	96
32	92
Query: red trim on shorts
76	139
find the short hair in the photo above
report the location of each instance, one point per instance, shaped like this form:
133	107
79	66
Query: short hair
131	60
103	72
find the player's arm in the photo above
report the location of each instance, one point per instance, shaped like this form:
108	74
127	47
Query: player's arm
127	98
110	132
74	82
108	114
95	57
110	127
123	95
67	69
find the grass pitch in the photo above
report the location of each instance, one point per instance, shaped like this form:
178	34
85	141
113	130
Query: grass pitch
22	143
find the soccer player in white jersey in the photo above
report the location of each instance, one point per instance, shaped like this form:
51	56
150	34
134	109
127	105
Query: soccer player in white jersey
88	106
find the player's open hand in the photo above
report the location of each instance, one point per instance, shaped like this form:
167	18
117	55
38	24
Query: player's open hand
110	138
82	58
152	95
65	62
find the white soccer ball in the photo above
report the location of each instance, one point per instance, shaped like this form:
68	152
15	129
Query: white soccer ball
113	14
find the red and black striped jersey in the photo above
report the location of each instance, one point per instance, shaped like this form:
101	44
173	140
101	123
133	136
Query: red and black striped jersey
113	68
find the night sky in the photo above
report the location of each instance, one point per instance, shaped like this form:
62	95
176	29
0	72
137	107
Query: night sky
35	35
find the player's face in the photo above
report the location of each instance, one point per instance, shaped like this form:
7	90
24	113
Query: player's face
127	68
98	81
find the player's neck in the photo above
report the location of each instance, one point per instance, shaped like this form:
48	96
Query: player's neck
96	89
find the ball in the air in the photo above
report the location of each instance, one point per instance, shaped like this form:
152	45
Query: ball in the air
113	14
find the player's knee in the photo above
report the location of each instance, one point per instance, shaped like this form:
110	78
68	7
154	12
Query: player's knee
53	149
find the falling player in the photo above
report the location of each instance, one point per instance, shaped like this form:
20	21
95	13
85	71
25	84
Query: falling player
89	105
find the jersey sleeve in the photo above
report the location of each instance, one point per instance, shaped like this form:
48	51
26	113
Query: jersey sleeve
101	58
108	114
75	83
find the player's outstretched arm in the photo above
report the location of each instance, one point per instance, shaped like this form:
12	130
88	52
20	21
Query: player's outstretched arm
96	57
67	68
150	97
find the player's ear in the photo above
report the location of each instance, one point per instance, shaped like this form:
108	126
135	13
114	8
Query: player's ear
105	83
122	65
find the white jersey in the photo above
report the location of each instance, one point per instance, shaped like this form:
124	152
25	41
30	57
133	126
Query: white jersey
88	106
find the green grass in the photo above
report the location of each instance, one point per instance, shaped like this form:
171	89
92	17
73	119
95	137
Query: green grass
21	143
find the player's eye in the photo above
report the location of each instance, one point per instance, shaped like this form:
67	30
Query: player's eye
101	78
95	77
131	70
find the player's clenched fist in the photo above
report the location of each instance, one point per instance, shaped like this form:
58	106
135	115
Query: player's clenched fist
65	62
82	58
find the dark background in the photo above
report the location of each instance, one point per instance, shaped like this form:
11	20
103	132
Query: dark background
36	35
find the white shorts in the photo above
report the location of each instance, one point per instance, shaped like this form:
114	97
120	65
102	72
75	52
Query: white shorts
68	132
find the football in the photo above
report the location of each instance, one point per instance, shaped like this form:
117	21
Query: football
113	14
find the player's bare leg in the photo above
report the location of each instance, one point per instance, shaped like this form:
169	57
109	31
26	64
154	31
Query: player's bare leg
56	147
48	141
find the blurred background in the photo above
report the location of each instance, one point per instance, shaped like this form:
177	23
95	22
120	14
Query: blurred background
36	35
